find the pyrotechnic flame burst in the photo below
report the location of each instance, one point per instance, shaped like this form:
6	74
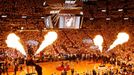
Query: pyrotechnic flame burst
13	41
98	41
49	38
122	37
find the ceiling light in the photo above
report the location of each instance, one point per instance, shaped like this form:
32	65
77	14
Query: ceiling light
91	18
120	9
42	17
44	3
103	10
126	18
24	16
81	13
4	16
108	19
22	28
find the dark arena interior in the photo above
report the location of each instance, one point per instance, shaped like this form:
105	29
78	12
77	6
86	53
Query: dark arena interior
66	37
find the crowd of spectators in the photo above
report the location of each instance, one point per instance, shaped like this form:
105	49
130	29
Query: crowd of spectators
70	46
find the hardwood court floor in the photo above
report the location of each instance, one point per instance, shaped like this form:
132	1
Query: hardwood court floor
49	68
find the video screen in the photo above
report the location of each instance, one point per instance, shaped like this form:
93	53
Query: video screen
48	22
69	21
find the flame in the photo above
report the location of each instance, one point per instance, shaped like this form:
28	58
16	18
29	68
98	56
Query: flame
13	41
49	38
98	41
122	37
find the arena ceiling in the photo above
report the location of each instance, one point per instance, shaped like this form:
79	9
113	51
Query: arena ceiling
29	14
